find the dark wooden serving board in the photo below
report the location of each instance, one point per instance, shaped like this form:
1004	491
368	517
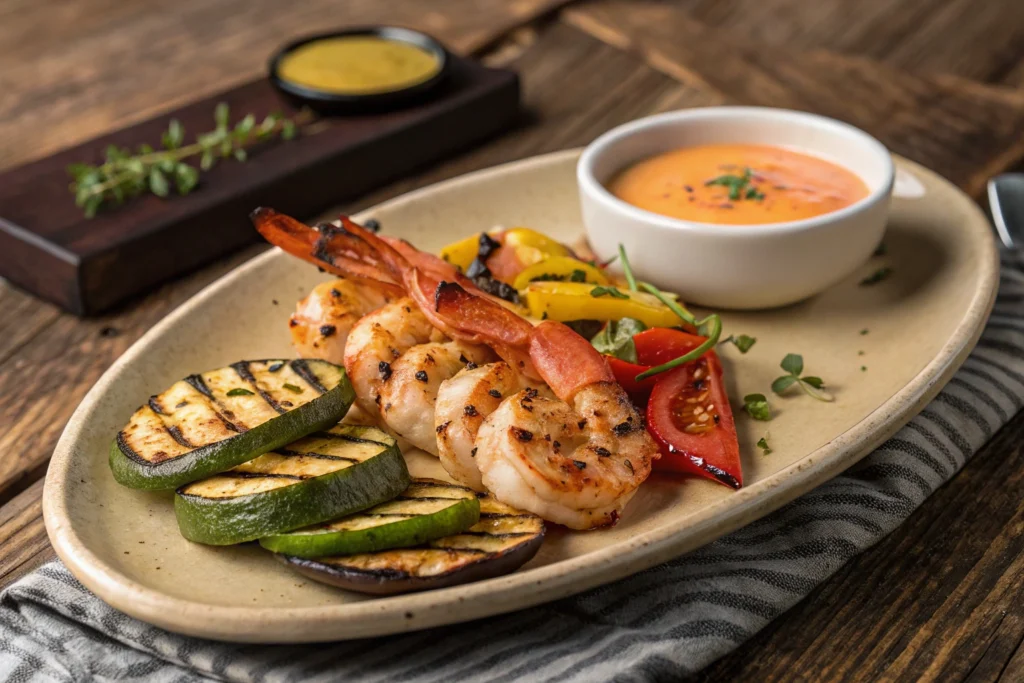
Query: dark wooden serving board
88	265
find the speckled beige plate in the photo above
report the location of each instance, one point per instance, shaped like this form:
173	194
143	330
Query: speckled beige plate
920	324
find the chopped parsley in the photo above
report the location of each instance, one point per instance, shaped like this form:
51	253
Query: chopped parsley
600	291
742	342
757	407
239	392
762	443
293	388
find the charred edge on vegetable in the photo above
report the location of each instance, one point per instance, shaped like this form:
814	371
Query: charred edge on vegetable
243	371
301	369
176	434
716	472
155	406
481	275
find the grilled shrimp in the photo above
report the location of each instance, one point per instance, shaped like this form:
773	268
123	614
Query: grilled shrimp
463	403
396	360
576	458
322	321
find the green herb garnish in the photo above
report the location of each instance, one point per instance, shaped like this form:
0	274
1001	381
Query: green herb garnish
864	331
876	277
125	175
710	327
239	392
578	276
627	269
607	291
793	364
293	388
762	443
739	186
616	339
742	342
757	407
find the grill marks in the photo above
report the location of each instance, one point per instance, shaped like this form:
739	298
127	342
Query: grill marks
202	410
313	456
242	368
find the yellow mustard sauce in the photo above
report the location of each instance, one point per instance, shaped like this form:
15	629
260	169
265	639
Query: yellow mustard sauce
357	65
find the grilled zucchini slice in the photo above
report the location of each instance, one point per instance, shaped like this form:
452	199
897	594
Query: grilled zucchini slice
320	477
502	541
211	422
429	509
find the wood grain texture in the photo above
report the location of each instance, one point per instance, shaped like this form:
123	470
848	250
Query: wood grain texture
965	130
940	599
977	40
83	67
937	600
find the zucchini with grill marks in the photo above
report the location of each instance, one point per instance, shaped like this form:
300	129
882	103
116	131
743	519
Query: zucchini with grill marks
502	541
429	509
210	422
320	477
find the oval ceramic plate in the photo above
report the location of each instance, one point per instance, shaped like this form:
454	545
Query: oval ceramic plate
910	332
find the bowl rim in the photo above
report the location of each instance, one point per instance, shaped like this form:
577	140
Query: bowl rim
589	184
397	34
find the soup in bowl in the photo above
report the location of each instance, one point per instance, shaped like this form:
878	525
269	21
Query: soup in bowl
737	207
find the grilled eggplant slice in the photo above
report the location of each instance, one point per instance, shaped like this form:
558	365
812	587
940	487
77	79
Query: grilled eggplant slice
429	509
211	422
502	541
320	477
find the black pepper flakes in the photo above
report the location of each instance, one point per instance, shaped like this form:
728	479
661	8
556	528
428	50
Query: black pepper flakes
384	368
422	376
522	434
622	428
602	451
495	393
472	453
581	424
580	465
470	411
335	293
442	428
327	330
629	466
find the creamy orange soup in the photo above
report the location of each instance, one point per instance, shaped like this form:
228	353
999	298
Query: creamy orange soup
738	184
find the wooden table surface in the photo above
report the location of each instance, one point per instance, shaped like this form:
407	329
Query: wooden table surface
939	81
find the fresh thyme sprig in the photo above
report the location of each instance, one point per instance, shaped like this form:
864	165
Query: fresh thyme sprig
124	175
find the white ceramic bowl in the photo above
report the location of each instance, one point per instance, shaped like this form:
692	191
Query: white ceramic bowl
745	266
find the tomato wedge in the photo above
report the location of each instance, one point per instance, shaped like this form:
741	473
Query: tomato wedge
653	347
688	414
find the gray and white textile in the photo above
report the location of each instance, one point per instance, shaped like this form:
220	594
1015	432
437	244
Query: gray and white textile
653	626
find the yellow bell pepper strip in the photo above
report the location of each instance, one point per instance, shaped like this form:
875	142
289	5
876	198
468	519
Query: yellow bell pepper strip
462	253
560	269
563	301
529	246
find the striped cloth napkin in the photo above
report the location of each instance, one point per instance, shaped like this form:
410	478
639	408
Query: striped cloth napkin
656	625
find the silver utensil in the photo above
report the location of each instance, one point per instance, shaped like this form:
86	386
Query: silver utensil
1006	202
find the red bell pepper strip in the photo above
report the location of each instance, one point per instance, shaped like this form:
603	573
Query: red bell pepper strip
689	416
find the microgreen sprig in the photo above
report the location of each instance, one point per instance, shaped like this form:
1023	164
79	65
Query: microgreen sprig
762	443
124	175
739	186
814	387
